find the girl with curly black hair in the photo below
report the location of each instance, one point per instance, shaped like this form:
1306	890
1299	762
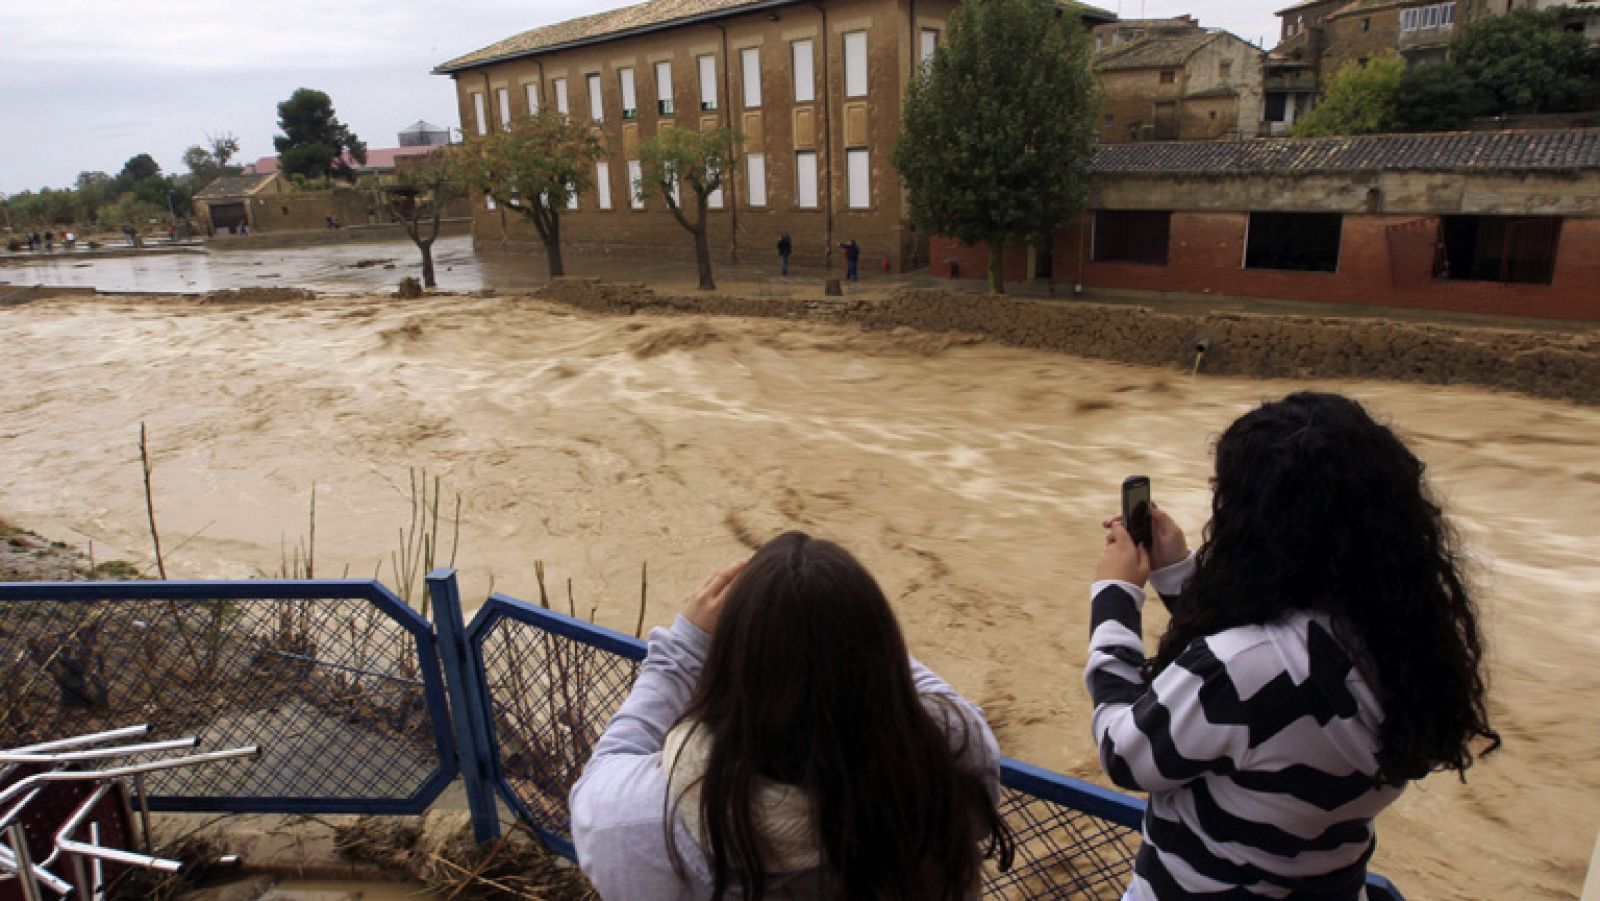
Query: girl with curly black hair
1323	652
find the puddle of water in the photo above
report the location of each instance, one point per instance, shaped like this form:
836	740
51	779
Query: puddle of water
329	890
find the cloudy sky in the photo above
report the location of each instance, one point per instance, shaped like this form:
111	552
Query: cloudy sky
86	84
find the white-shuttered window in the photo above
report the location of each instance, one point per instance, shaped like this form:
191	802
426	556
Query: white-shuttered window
635	185
858	179
502	96
930	43
533	97
805	175
572	196
597	103
479	115
630	101
602	184
664	89
561	96
714	199
708	82
755	170
750	74
805	72
855	64
488	201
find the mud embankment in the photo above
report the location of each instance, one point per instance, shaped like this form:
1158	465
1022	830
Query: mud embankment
1542	364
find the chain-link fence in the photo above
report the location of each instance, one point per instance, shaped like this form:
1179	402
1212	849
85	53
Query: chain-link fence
337	681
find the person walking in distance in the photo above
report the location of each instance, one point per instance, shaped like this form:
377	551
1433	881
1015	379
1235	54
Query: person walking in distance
1323	652
779	743
852	259
784	246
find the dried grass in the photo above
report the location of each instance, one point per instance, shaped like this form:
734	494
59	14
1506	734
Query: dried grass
454	866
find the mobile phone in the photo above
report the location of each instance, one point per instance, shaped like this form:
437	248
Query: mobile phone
1136	508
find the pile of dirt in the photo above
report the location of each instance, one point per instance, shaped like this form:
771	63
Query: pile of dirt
1543	364
26	557
257	295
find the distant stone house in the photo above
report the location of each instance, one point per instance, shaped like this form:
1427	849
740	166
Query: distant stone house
1502	223
1112	35
227	205
1180	84
814	87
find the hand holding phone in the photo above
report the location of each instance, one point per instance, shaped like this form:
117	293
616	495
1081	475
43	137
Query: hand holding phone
1136	509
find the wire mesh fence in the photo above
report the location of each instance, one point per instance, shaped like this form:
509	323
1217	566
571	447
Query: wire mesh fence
552	684
337	682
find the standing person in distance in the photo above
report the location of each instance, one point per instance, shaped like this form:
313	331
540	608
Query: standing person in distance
780	743
784	246
1323	652
852	259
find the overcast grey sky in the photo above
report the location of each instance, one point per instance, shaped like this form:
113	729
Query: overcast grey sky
86	84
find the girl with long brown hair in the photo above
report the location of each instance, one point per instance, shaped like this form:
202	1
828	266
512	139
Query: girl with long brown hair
781	743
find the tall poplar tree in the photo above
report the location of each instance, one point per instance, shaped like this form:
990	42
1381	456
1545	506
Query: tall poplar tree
999	131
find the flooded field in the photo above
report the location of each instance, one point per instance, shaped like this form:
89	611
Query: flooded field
970	478
356	267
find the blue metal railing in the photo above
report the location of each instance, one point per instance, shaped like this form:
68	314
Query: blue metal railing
339	682
361	707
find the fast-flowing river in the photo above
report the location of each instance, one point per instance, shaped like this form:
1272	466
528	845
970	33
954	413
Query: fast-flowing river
971	478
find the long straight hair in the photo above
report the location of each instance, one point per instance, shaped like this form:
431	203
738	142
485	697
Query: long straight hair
1318	507
807	683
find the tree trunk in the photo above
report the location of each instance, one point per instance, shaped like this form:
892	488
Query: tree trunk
997	256
552	252
428	280
702	257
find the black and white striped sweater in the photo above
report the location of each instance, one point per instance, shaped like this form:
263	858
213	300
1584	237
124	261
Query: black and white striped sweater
1256	746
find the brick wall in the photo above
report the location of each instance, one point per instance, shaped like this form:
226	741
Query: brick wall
1206	252
973	261
775	129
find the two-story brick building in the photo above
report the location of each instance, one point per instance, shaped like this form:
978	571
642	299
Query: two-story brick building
1179	84
815	88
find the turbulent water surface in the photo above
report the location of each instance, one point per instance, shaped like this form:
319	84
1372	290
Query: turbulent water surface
970	478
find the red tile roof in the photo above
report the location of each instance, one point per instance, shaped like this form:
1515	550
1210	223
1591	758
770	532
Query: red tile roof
378	159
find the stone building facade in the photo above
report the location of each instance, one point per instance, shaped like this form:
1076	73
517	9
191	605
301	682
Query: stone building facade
1503	223
1180	84
814	88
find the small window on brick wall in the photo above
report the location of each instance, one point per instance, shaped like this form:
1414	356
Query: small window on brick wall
1132	236
1305	242
1168	76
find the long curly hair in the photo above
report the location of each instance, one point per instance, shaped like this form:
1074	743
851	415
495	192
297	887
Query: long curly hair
807	683
1316	506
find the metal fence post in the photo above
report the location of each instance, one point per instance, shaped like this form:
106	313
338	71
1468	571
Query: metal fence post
467	703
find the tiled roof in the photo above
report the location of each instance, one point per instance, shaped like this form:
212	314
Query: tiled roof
1577	148
1299	6
649	16
1162	51
235	185
1220	90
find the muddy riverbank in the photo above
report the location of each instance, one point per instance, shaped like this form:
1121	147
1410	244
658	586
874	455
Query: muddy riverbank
968	474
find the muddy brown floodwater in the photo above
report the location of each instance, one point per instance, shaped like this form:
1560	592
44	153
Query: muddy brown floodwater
971	479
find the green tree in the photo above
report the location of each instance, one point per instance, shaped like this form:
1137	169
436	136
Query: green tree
1523	62
998	134
700	160
534	167
209	161
314	139
1359	100
138	168
1435	97
420	194
94	191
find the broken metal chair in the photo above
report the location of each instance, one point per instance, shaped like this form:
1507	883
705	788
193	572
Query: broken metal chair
46	800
